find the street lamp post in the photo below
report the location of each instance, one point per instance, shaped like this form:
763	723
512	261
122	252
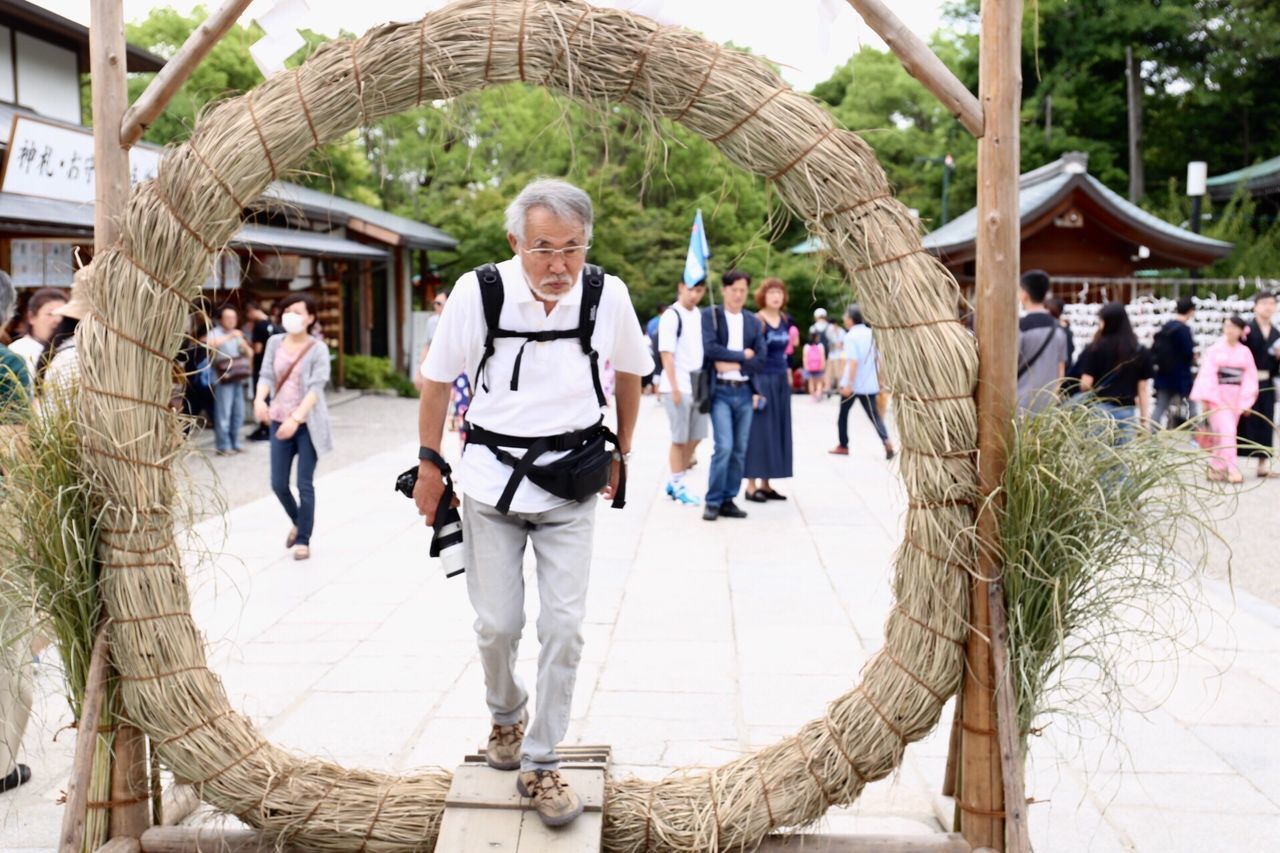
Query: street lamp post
1197	174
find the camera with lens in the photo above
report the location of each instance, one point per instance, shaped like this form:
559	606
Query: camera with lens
446	538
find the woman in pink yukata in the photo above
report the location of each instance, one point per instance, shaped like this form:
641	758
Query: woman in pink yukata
1227	385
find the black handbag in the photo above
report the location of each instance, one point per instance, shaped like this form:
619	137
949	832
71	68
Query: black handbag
701	381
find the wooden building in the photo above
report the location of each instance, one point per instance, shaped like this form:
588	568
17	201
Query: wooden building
357	261
1074	227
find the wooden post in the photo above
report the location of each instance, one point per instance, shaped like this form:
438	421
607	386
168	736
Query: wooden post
111	174
1133	79
922	63
982	800
75	811
176	71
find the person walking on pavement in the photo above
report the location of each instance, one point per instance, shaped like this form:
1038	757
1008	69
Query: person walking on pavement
534	331
680	350
769	450
433	323
1257	435
231	369
860	382
731	338
1043	346
295	370
1227	384
830	341
1174	351
261	329
15	660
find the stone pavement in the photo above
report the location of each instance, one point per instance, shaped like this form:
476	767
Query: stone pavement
703	642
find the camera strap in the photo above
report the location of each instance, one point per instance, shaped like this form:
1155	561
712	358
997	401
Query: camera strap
438	541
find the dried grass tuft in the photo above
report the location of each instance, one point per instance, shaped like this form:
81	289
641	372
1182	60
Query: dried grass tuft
824	174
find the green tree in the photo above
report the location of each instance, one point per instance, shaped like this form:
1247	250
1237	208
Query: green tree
227	71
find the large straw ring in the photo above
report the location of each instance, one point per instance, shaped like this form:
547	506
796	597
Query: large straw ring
593	55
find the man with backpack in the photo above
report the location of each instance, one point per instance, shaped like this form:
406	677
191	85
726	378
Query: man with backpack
1174	352
1042	346
534	332
679	345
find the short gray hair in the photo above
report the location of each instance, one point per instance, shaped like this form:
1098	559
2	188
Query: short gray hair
560	197
8	298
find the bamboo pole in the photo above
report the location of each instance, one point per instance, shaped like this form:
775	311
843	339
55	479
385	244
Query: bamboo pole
74	814
1012	762
922	63
177	70
111	175
982	798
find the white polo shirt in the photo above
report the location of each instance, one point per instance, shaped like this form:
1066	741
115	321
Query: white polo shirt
556	393
686	347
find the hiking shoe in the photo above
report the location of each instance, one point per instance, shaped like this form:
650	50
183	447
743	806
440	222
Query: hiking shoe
710	512
506	743
729	509
553	799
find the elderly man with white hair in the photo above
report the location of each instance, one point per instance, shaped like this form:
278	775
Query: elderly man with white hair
533	333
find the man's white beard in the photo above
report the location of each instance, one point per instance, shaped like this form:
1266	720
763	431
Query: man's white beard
546	296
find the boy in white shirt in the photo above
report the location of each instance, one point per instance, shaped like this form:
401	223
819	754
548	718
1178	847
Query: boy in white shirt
680	347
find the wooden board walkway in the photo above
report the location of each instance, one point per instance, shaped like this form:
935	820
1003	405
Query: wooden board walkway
483	811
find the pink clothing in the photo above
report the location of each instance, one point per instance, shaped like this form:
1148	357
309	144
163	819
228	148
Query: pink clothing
1223	424
1227	379
1227	384
288	397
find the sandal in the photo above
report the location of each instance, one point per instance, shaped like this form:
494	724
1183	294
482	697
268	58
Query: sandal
1235	479
302	552
1216	476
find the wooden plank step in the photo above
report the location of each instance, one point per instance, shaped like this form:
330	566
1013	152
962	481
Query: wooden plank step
484	812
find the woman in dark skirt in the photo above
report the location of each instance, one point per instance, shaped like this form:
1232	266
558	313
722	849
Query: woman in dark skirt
1263	340
769	450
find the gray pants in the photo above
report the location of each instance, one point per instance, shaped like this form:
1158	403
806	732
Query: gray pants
562	539
1165	400
15	688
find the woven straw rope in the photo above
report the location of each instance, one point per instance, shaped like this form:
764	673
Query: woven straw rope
827	176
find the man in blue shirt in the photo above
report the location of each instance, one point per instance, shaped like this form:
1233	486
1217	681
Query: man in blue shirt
1174	350
731	337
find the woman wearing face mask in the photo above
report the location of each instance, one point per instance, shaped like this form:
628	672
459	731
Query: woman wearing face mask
295	370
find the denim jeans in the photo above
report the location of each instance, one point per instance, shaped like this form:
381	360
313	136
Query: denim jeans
302	512
228	414
1126	418
869	405
731	429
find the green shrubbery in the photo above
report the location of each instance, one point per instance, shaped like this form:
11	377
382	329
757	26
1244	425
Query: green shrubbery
370	373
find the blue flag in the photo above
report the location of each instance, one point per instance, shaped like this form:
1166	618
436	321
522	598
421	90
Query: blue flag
695	263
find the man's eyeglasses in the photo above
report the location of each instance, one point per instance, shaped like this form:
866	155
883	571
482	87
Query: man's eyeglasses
568	253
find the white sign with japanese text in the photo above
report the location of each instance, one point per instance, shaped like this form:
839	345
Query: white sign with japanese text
56	161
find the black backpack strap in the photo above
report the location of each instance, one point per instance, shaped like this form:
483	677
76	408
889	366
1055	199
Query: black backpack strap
491	297
592	290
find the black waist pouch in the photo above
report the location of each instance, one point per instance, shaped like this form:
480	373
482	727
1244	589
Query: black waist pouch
579	474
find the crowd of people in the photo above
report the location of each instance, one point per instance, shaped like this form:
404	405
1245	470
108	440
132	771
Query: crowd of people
1229	388
726	371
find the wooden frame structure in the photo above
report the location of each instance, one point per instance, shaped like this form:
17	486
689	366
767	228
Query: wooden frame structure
990	792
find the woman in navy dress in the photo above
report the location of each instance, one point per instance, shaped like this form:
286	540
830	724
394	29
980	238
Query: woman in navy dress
769	450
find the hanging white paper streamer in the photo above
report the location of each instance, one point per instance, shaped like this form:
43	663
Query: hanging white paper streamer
282	40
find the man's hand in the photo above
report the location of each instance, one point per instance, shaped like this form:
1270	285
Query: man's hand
749	353
727	366
676	396
755	401
615	471
846	392
428	491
